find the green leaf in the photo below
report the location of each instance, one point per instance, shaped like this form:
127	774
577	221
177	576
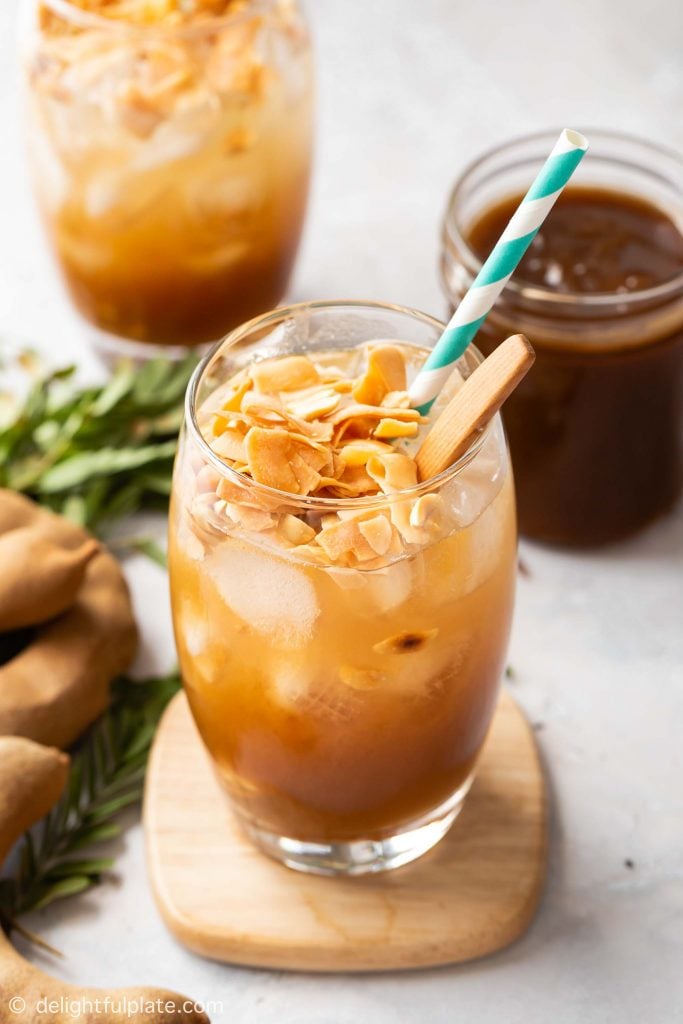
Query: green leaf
92	867
120	385
64	887
114	806
81	468
97	454
46	435
151	379
96	834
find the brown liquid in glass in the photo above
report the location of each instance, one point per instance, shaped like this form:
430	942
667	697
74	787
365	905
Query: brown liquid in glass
595	431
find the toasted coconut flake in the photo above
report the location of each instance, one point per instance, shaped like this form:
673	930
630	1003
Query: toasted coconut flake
294	530
378	533
391	427
312	553
206	480
400	517
317	403
356	514
343	542
263	408
218	424
358	451
394	472
205	515
230	65
267	409
429	510
386	371
308	478
243	494
249	518
396	400
279	460
361	678
230	445
274	375
353	482
233	400
226	397
405	643
371	412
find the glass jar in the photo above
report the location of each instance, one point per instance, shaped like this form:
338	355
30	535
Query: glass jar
344	707
595	428
171	160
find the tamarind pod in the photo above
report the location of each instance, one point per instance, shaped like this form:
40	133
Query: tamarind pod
76	1005
32	778
53	689
39	579
16	510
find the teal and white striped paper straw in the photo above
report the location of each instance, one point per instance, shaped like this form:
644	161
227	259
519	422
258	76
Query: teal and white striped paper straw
476	304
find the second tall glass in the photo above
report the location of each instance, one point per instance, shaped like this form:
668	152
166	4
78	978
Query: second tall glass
171	158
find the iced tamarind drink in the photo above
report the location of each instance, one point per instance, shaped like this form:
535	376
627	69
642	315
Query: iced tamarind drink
171	149
341	626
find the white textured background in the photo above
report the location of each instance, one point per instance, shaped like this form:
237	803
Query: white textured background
410	90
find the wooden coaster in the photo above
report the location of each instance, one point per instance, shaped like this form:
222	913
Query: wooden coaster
474	893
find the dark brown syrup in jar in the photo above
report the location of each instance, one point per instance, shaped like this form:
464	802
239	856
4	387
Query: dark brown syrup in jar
596	428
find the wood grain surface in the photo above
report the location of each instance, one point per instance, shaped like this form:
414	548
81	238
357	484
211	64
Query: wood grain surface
475	893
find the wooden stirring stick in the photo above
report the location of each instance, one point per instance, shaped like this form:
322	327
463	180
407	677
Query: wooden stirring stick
473	405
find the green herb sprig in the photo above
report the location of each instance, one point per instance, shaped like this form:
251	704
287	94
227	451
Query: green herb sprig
59	857
97	454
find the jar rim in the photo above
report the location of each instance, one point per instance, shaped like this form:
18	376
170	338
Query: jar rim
523	290
306	501
82	18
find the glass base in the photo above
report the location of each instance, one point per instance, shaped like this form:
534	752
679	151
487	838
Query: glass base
363	856
111	348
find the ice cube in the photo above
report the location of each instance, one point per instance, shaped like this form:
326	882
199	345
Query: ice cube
105	192
124	197
266	592
329	702
225	197
345	579
312	692
474	488
391	586
484	541
168	144
193	126
289	683
195	633
54	180
380	590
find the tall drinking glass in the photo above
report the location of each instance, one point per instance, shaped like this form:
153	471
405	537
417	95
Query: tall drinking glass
170	145
344	705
